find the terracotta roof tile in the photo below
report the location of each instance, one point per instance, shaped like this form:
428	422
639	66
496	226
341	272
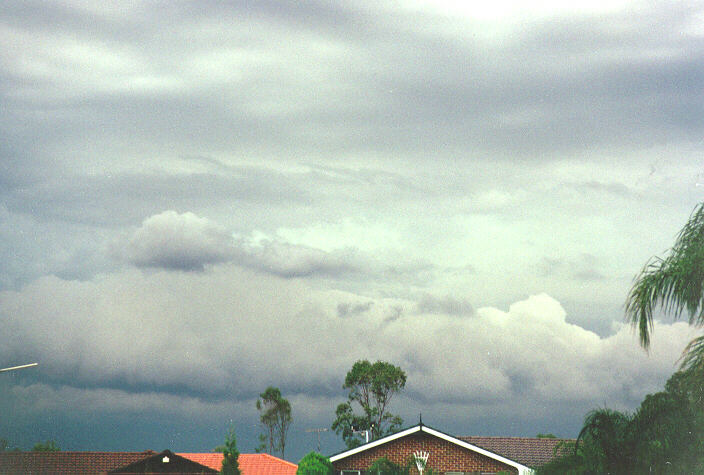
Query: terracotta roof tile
529	451
94	463
250	464
65	463
209	459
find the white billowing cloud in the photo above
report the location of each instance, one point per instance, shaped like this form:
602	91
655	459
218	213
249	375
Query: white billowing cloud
187	242
233	331
531	351
284	259
176	241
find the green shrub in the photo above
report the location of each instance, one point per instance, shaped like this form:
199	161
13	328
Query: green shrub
314	463
384	466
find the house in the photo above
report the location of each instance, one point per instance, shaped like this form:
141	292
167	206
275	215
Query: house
104	463
250	464
530	451
451	455
65	463
164	462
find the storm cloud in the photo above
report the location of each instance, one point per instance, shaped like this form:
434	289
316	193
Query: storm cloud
199	199
138	329
177	241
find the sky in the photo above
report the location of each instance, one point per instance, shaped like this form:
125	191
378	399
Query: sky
202	199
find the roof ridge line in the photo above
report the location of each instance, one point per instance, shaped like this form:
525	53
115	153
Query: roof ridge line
516	437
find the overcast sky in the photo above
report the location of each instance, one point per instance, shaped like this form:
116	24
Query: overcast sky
201	199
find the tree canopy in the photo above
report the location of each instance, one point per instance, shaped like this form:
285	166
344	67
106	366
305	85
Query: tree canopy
6	447
230	465
384	466
48	446
275	415
314	463
664	435
371	387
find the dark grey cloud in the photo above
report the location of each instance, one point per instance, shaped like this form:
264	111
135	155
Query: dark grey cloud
157	332
447	305
358	163
399	82
31	247
176	241
120	199
190	345
348	309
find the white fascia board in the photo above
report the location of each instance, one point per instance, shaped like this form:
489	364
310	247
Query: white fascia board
375	443
522	469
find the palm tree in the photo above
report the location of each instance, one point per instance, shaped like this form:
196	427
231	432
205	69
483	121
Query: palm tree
676	285
610	441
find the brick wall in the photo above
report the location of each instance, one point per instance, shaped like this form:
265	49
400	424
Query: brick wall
444	456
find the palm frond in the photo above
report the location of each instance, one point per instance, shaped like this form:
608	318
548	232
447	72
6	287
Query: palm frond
611	432
675	284
692	358
646	291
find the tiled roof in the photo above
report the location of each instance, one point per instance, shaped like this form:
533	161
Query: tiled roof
94	463
250	464
209	459
529	451
65	463
165	462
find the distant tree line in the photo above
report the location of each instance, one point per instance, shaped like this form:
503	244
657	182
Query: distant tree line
48	446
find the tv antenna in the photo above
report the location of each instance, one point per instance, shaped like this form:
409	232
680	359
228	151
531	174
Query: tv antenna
19	367
363	431
318	430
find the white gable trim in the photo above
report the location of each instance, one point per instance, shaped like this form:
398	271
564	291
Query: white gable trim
522	469
375	443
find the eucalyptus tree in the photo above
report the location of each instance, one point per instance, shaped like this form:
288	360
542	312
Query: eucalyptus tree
371	387
275	415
